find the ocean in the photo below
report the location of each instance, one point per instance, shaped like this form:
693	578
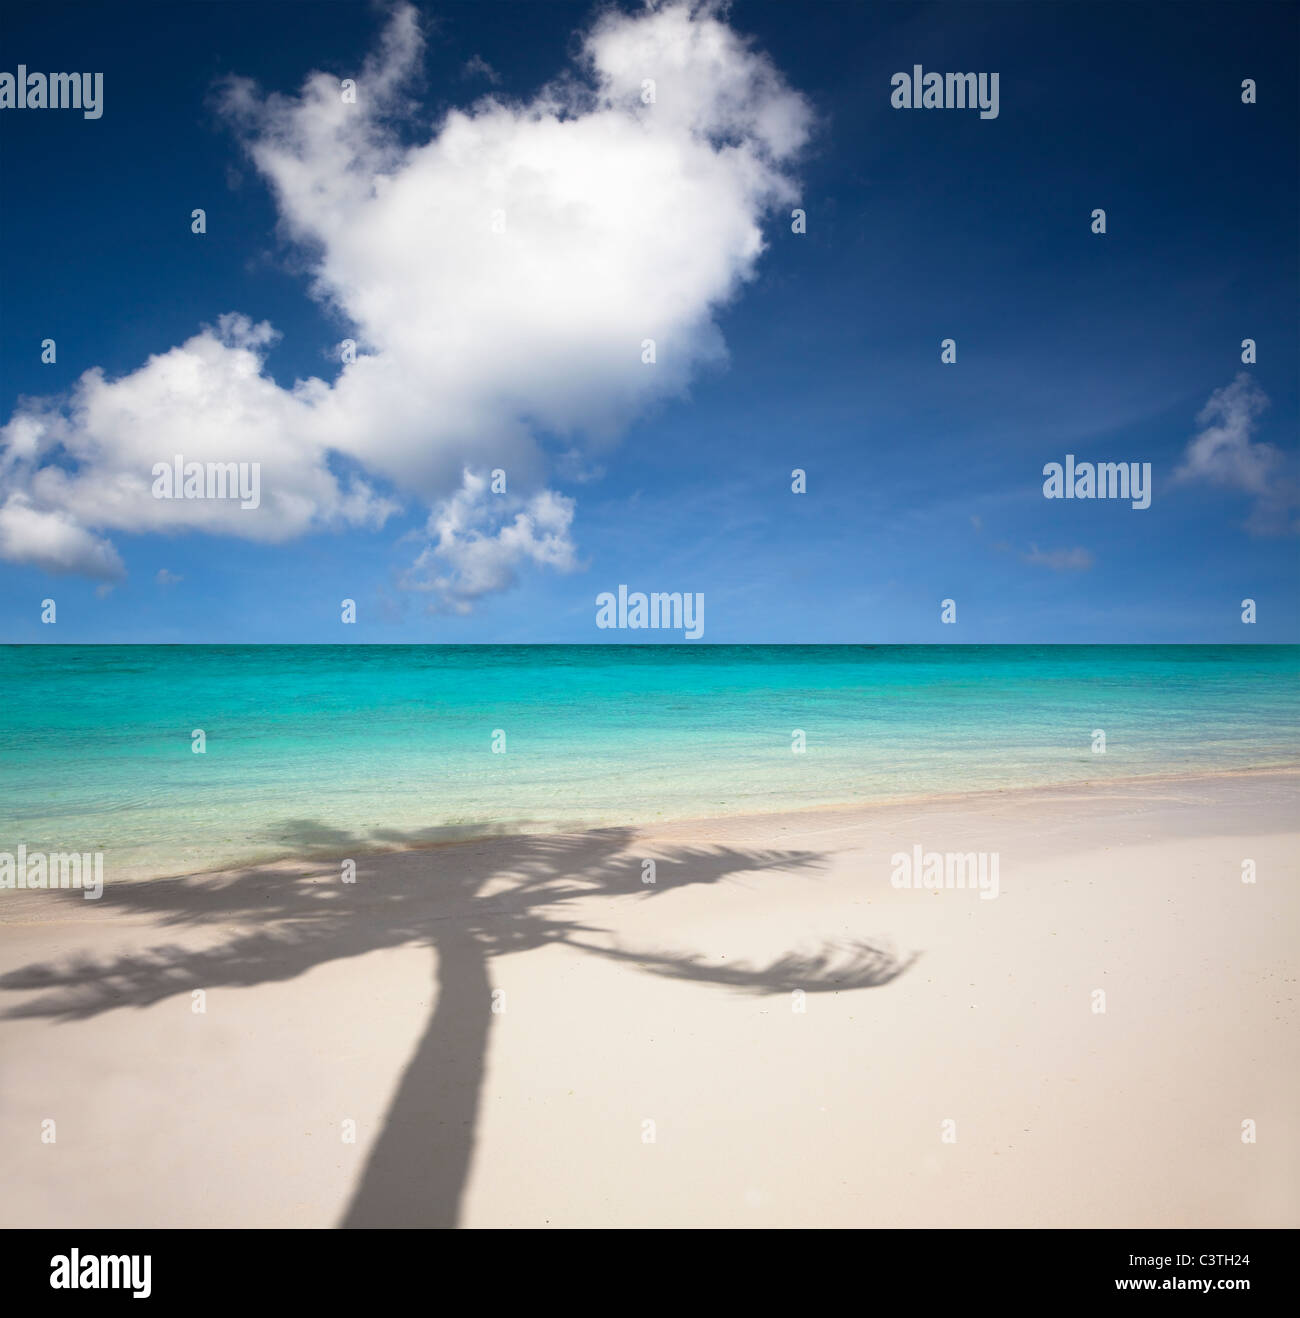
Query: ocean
339	750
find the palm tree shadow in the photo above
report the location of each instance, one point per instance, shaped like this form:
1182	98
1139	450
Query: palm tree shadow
469	903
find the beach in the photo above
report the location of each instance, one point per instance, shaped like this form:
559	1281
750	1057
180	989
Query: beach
765	1028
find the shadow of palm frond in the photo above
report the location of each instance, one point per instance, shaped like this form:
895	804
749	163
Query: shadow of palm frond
833	968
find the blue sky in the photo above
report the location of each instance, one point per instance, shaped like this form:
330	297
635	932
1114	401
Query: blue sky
924	478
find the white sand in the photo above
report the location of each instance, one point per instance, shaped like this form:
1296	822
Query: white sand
319	994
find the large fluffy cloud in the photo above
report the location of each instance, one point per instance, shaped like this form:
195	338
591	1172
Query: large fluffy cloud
499	273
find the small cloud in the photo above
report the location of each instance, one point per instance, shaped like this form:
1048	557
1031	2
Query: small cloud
479	540
165	578
478	67
1225	453
1059	560
976	522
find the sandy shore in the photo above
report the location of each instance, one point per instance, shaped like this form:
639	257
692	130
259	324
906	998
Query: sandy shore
501	1020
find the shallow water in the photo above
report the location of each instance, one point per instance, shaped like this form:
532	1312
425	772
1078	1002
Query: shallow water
342	749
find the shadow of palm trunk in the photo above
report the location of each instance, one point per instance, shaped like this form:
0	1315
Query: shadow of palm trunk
417	1170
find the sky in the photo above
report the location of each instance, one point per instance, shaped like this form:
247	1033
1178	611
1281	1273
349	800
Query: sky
498	205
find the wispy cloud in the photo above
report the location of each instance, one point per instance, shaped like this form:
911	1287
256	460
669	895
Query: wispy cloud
477	67
1059	560
1225	453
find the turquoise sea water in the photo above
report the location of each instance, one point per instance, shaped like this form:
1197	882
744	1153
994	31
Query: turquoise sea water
341	749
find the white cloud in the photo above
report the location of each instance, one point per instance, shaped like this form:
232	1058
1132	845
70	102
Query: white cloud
52	539
499	275
479	540
166	578
206	400
1225	453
